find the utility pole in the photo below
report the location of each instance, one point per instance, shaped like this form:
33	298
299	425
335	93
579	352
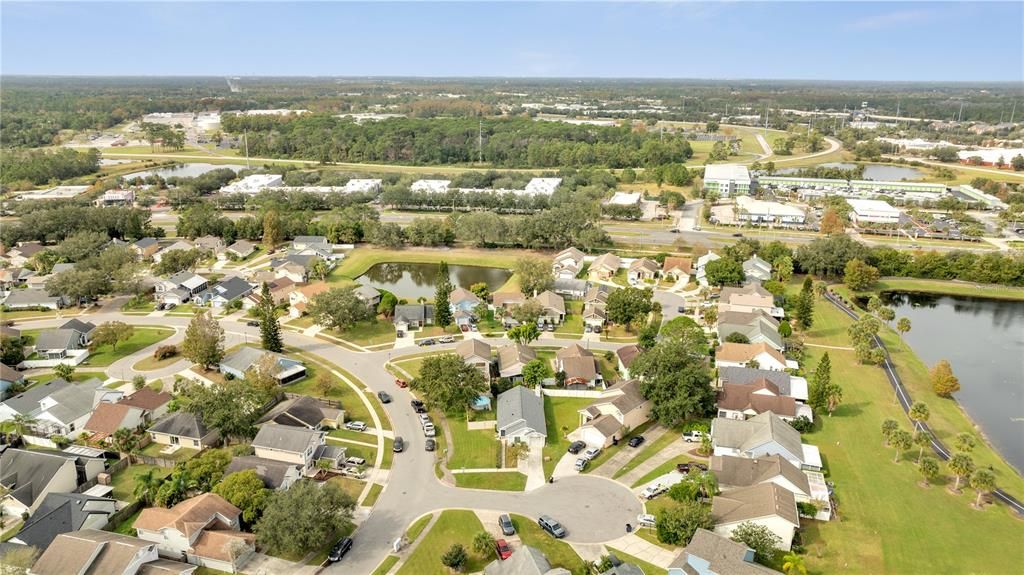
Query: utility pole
245	138
1012	112
480	142
960	117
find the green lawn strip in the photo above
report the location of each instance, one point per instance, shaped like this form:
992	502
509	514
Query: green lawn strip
473	449
209	571
411	366
500	481
78	376
651	536
353	487
389	453
352	450
141	338
417	527
145	307
13	315
386	565
950	288
562	416
453	526
372	496
353	435
124	481
888	523
648	451
559	553
125	527
182	454
607	453
573	323
647	568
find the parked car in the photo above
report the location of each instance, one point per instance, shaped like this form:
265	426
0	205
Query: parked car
430	445
504	550
591	453
429	430
339	550
646	520
505	522
581	464
356	425
383	397
576	446
597	329
737	235
418	406
683	467
252	323
355	461
696	228
637	441
170	306
446	339
693	436
428	341
425	419
588	328
401	383
352	472
652	491
551	526
550	327
399	445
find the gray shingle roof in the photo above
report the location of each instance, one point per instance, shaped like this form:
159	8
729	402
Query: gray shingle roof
744	375
303	411
28	401
519	408
61	513
30	297
74	401
526	561
758	430
144	243
231	288
83	327
57	339
723	555
182	424
26	473
273	473
286	438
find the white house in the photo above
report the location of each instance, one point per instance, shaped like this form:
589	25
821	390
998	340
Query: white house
765	504
758	269
618	410
288	444
702	263
520	415
566	264
760	436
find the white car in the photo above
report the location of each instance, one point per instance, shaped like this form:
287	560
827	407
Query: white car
591	453
645	520
429	431
694	436
355	461
356	425
424	419
652	491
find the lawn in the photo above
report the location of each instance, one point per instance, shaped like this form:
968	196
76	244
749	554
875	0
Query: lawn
144	307
389	454
562	416
660	470
141	338
890	524
647	568
501	481
77	376
182	454
152	364
648	451
559	553
366	333
417	527
353	487
473	449
453	526
372	496
124	480
353	435
125	527
386	565
13	315
950	288
573	324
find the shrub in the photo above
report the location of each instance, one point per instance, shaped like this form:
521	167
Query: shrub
165	351
806	508
802	424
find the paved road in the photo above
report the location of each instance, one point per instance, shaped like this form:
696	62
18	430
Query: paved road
593	509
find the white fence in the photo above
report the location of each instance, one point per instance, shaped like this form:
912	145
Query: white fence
74	357
591	393
489	424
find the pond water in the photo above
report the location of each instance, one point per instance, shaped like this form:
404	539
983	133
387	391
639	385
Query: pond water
871	171
412	281
184	170
983	339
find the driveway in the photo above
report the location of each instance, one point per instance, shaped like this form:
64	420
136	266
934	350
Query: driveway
622	457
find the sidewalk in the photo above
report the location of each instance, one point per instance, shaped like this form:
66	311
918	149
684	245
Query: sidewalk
643	549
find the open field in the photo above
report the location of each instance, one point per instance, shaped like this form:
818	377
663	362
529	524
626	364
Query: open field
363	258
142	337
453	526
502	481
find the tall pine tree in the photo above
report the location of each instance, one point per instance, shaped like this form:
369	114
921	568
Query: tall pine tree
270	330
820	384
805	304
442	309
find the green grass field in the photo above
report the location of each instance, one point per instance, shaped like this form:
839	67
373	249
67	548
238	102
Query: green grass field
124	481
473	448
361	259
949	288
562	416
417	527
141	338
502	481
453	526
559	553
372	496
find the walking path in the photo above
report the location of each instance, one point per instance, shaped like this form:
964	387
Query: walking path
829	346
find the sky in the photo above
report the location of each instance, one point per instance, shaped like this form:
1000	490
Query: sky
885	41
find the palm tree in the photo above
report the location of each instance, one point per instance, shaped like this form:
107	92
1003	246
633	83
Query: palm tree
919	413
929	468
922	439
901	440
483	543
833	397
983	481
793	564
146	486
125	441
961	465
888	427
964	442
22	421
903	326
64	370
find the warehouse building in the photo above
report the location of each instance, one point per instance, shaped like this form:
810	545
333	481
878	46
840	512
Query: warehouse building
727	179
253	184
873	212
759	211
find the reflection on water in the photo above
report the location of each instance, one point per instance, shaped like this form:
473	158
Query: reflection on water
413	281
184	170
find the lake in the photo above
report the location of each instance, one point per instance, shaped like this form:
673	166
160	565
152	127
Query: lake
983	339
412	281
871	171
184	170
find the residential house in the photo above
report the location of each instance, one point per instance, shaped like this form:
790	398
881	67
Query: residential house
145	247
756	326
762	435
553	305
241	249
34	299
28	476
226	291
84	329
766	504
13	277
748	298
9	377
369	295
276	475
571	288
511	359
94	552
412	317
61	268
525	561
22	253
806	486
203	530
642	270
701	267
303	411
63	408
711	554
604	267
289	444
463	304
211	244
504	301
477	353
618	410
180	287
155	403
8	331
280	291
579	366
61	513
245	358
304	242
107	418
521	415
594	303
756	269
625	355
299	299
760	355
180	245
60	344
737	401
296	267
795	387
677	269
183	429
567	263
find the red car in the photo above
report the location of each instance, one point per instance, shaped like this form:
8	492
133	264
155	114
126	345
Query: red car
504	551
401	383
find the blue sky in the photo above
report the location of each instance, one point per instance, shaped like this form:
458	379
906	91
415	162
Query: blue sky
821	41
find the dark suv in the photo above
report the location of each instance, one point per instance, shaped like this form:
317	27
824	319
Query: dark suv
576	446
339	550
505	522
551	526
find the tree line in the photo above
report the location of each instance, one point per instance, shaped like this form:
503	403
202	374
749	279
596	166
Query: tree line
42	166
52	221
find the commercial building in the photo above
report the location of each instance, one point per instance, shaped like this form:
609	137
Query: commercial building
542	186
430	186
253	184
759	211
880	186
986	200
990	156
873	212
795	183
362	185
624	199
727	179
54	193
